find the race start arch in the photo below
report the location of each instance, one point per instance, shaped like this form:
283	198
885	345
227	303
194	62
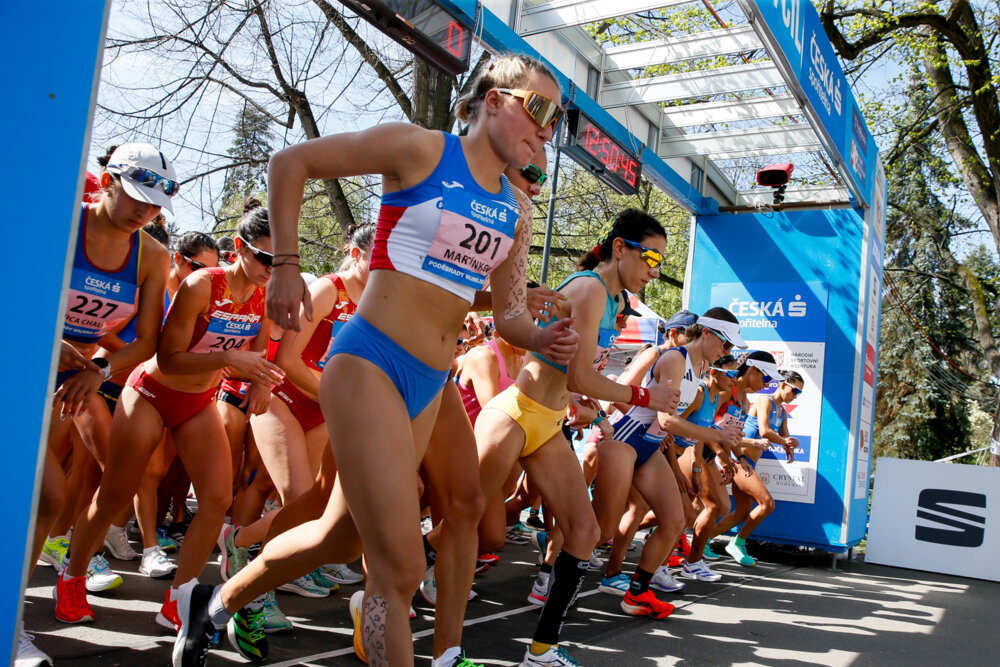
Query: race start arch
698	114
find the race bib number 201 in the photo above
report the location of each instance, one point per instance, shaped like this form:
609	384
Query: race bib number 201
474	236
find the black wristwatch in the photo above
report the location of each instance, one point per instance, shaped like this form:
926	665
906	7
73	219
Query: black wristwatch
601	416
104	365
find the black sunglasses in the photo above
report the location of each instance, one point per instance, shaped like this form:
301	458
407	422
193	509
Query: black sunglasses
193	264
796	391
261	256
534	174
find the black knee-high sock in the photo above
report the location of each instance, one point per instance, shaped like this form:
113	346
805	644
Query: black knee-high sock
567	577
640	582
429	553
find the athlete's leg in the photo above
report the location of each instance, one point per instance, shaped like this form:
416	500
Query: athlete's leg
742	503
203	448
135	432
499	441
765	504
145	499
236	424
658	487
627	526
612	484
715	503
456	497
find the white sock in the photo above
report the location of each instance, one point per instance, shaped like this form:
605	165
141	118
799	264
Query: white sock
448	657
148	550
173	594
694	564
216	612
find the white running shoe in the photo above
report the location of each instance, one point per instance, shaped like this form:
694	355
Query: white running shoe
595	561
117	543
99	575
342	574
155	564
428	587
663	581
699	571
28	655
554	657
305	587
540	590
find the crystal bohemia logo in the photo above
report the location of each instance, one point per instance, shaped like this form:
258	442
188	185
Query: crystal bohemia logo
962	529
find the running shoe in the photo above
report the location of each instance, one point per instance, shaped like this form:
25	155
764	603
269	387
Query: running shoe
155	564
699	571
739	553
604	547
274	619
29	655
481	566
554	657
413	612
595	561
117	543
540	540
55	552
233	558
246	631
515	537
428	587
322	580
708	554
534	521
683	546
305	587
197	632
646	604
675	560
663	581
462	661
71	600
357	601
342	574
163	540
615	585
168	616
486	561
99	575
540	589
522	529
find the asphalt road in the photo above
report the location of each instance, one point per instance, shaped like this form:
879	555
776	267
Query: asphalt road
793	608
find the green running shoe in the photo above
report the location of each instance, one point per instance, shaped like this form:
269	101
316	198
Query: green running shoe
708	554
274	619
739	553
246	631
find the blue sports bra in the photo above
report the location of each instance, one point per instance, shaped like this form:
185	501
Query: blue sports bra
607	333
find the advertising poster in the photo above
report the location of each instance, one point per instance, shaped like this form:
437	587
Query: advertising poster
789	321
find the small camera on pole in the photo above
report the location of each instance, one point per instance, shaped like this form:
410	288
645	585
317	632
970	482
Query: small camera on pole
776	176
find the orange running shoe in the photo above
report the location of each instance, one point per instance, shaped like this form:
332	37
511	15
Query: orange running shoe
646	604
167	616
683	546
675	560
71	600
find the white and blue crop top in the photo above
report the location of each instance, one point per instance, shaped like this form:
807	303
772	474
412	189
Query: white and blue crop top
447	230
607	333
704	416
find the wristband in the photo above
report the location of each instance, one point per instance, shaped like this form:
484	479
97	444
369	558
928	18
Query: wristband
695	469
640	396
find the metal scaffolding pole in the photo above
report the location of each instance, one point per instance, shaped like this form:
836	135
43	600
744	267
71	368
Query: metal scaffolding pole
547	248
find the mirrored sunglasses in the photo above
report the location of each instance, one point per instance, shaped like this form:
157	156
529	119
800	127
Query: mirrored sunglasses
796	391
146	177
726	345
729	374
652	257
261	256
534	174
542	109
193	264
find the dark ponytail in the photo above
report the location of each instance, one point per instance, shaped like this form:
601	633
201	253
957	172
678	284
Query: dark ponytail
631	225
254	223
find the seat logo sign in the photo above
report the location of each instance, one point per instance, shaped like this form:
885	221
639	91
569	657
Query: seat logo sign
964	529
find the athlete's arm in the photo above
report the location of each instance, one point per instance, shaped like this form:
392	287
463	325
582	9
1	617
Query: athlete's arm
403	153
258	398
513	322
790	442
670	369
762	407
634	374
293	343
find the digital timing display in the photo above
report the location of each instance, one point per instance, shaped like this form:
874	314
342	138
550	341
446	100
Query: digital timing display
590	145
422	26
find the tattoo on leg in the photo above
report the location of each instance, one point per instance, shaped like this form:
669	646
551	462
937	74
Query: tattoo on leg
373	631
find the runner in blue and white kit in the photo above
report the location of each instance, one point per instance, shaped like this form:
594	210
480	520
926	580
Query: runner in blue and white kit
448	220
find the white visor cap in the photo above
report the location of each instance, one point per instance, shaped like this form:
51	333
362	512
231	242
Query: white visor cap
730	331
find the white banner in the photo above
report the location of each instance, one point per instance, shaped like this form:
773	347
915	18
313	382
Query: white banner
938	517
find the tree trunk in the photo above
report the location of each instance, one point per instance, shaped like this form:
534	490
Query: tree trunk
431	97
994	458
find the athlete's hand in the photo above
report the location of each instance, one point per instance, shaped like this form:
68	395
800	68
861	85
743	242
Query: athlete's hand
557	342
257	400
72	396
545	303
726	474
253	367
793	443
286	291
696	482
747	468
70	359
607	430
728	468
685	486
730	435
580	415
664	397
477	330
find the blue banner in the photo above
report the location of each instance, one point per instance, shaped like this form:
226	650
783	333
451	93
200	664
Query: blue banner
776	311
